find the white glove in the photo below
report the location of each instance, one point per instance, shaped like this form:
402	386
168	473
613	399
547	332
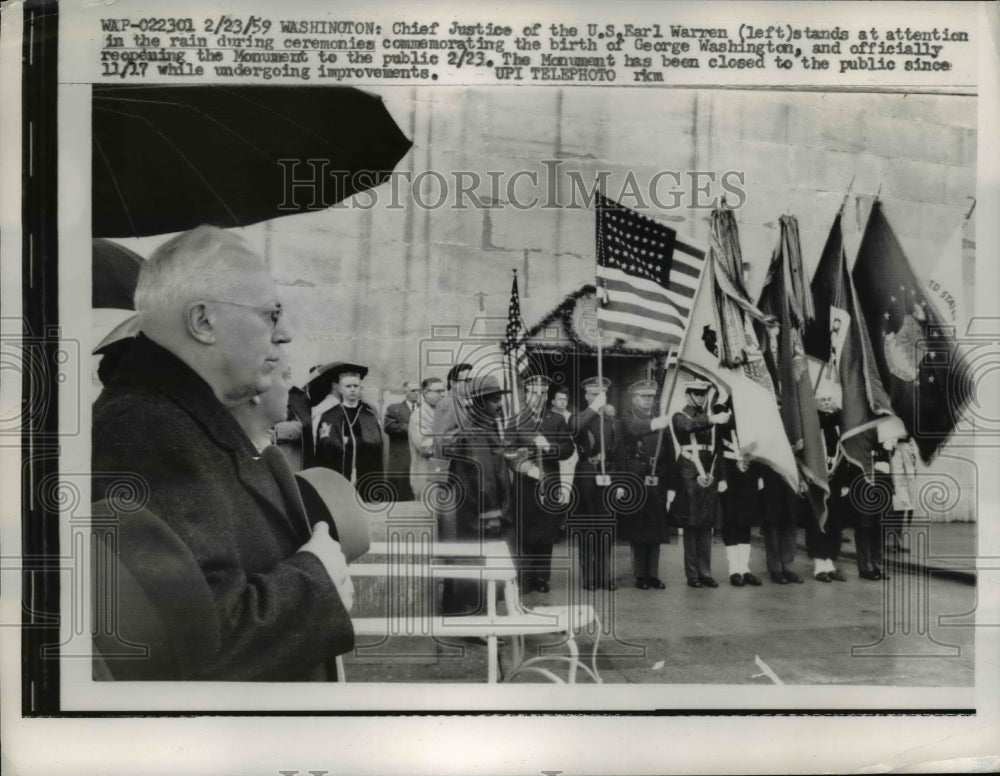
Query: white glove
719	418
324	430
723	487
671	495
324	547
661	421
760	483
844	492
542	442
620	493
599	401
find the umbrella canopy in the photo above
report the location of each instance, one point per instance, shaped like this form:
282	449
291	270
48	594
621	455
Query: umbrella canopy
168	158
115	270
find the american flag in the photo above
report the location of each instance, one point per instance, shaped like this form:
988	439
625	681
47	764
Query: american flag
648	276
513	346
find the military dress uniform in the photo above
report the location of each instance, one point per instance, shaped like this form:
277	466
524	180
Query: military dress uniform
591	518
823	546
696	507
740	503
646	461
539	515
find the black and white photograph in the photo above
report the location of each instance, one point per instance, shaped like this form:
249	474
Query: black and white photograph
535	361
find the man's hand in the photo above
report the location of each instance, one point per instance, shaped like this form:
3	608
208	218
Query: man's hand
288	430
723	486
719	418
598	402
671	495
323	546
324	430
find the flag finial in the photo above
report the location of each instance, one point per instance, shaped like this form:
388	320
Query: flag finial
847	193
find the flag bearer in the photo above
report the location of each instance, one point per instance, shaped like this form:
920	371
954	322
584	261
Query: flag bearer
696	507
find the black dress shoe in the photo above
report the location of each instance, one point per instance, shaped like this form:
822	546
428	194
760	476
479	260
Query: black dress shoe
791	576
642	584
752	579
695	583
736	580
823	576
589	586
709	582
541	586
779	579
881	574
656	583
838	575
610	586
872	575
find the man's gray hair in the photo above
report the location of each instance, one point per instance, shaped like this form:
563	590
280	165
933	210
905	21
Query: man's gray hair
189	266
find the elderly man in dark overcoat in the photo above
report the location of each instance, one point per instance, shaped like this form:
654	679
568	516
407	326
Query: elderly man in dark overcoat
264	588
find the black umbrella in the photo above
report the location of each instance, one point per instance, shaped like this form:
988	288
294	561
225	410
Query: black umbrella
168	158
115	270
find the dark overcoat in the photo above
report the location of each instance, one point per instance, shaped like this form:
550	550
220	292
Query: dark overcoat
592	501
397	428
644	520
158	427
539	518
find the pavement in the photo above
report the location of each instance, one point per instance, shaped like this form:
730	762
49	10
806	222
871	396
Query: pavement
915	629
947	550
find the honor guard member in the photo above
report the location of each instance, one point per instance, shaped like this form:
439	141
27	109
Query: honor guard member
696	507
647	526
536	440
740	502
823	546
595	531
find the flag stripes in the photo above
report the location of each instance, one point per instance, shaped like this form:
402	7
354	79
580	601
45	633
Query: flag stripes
514	346
648	277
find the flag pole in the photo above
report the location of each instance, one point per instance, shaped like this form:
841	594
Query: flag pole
603	480
667	395
847	194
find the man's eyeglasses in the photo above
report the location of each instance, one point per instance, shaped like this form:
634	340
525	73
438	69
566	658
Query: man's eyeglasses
274	313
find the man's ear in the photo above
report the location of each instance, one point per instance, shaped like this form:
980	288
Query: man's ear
200	324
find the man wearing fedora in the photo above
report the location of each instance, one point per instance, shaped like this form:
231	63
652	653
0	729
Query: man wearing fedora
212	548
696	506
477	476
349	435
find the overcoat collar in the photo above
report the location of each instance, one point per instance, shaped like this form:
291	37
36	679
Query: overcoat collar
154	368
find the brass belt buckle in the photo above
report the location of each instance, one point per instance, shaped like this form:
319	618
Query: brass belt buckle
652	481
705	480
604	480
